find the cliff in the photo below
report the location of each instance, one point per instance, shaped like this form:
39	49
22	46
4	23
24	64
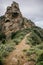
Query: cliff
13	20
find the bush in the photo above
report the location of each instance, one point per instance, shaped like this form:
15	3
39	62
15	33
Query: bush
9	48
30	52
3	41
5	53
1	61
40	63
5	49
40	58
40	46
13	35
39	34
33	39
2	36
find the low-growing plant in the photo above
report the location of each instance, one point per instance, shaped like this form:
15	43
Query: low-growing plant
33	39
40	63
40	58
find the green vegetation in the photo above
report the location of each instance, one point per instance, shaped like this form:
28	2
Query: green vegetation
19	35
40	59
5	49
2	37
40	63
1	63
39	32
36	53
35	40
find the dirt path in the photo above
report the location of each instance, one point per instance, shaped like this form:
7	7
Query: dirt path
18	55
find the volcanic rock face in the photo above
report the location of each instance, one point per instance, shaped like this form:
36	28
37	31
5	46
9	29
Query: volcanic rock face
13	20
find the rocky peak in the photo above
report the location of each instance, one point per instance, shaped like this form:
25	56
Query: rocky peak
14	20
13	11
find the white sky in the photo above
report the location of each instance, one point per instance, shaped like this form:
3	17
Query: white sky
31	9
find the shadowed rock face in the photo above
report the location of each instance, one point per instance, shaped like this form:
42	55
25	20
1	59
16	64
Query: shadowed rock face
13	20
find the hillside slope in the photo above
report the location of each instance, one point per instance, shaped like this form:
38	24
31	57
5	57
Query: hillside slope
21	41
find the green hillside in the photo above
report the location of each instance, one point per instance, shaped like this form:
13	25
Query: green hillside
35	40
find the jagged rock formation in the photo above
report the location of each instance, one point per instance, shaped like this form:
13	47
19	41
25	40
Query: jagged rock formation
13	20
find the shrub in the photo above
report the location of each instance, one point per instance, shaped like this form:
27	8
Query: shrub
33	39
40	63
40	46
1	61
2	36
12	35
39	34
40	58
5	53
9	48
3	41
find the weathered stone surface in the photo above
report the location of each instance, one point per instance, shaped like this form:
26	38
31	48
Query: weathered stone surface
13	20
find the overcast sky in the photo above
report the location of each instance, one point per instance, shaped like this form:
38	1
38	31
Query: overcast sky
32	9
